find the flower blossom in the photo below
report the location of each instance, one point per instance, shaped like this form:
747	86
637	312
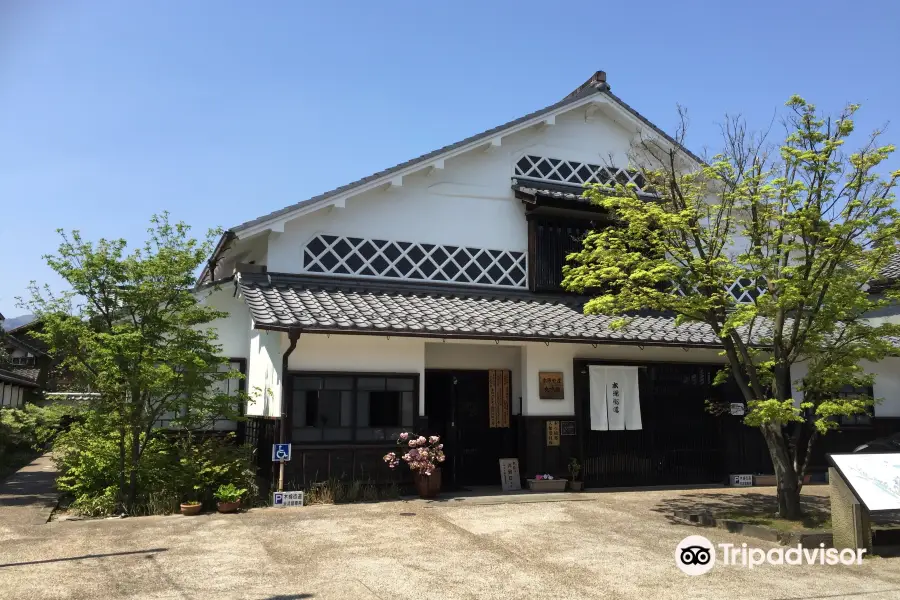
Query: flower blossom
404	435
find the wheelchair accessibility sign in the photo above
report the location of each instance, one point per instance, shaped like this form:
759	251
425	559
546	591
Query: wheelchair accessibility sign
281	452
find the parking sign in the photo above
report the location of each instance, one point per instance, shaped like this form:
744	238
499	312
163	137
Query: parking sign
284	499
281	452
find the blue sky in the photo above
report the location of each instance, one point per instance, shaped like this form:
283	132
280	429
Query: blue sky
220	111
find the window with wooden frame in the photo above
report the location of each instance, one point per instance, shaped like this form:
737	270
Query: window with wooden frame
551	240
861	419
352	407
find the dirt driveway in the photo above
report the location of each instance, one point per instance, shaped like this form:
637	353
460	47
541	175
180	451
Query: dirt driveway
610	545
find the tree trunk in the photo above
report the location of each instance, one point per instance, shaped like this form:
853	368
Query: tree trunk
785	475
123	501
135	459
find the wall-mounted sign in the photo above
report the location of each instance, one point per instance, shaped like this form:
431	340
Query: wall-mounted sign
498	398
742	480
509	474
567	428
553	433
550	385
737	409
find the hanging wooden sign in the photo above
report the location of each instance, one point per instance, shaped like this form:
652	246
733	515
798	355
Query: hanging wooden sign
498	398
550	385
553	433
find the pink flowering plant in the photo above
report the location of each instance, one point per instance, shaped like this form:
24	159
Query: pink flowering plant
423	455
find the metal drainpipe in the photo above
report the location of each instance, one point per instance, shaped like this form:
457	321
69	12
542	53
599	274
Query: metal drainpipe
293	335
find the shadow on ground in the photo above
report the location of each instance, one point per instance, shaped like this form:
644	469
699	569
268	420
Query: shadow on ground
816	508
18	489
149	553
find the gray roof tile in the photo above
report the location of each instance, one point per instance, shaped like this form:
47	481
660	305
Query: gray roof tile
328	305
892	270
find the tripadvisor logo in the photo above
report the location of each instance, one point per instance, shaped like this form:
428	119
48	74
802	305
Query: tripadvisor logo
696	555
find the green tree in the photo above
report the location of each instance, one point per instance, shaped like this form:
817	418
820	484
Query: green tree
133	329
4	355
808	223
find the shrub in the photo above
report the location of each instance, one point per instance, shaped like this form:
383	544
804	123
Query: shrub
33	426
172	469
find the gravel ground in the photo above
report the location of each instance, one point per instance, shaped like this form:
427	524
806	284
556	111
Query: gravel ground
604	545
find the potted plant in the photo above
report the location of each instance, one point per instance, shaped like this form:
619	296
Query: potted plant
546	483
574	471
229	498
423	457
189	508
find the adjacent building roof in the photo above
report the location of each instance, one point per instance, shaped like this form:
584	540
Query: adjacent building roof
328	305
892	270
10	377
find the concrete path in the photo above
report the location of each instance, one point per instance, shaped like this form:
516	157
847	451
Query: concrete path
28	496
609	546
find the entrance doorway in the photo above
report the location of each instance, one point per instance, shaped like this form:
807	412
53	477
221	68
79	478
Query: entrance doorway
457	404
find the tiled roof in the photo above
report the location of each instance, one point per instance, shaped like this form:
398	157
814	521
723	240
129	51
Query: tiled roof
591	87
15	378
29	373
892	270
329	305
423	158
558	192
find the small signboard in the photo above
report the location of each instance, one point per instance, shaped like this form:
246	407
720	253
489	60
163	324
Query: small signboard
567	428
553	433
737	409
283	499
873	478
281	452
742	480
509	474
550	385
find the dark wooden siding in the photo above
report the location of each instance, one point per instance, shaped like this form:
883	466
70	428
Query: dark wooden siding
680	443
551	241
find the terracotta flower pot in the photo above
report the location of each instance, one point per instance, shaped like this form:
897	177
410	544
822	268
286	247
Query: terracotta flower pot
428	486
228	507
190	510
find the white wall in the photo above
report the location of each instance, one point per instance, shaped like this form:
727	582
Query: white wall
234	330
469	202
361	353
264	377
475	355
885	388
559	357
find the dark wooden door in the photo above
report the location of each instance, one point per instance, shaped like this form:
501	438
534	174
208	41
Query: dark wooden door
458	408
439	405
680	442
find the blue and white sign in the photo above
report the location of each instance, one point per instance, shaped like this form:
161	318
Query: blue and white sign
281	452
284	499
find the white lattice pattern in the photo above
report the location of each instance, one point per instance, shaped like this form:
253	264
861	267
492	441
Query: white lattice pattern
415	261
743	290
578	173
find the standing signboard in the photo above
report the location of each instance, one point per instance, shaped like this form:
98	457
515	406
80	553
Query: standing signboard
509	474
